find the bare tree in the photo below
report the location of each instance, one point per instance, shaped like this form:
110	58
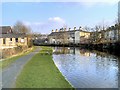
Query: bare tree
65	37
19	27
117	27
87	28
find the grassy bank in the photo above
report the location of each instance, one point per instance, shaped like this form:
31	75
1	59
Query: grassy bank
41	72
10	60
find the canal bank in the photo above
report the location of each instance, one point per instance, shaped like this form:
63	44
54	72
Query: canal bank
88	69
112	48
41	72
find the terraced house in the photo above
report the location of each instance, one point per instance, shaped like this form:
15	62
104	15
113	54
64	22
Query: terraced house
84	37
75	36
8	39
110	35
64	36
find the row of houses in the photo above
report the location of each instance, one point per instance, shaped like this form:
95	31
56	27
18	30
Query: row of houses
81	36
110	35
64	36
8	39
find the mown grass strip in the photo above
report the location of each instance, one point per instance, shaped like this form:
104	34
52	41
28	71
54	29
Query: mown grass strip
41	72
8	61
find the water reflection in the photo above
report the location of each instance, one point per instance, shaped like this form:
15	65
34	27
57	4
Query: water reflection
87	69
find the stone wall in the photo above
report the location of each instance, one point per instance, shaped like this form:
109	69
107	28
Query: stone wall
5	53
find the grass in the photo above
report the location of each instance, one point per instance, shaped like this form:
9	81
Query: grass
41	72
10	60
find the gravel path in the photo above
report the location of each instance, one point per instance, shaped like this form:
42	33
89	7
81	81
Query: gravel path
10	73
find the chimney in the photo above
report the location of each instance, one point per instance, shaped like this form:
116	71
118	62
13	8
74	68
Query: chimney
69	29
61	29
80	28
56	30
52	30
64	29
74	28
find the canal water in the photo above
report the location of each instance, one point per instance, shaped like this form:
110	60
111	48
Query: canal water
87	69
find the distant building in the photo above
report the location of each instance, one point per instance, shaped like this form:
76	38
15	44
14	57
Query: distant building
84	37
5	30
75	36
119	11
8	39
40	38
109	35
64	37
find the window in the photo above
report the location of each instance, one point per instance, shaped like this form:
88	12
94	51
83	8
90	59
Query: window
10	39
0	41
4	41
16	39
22	40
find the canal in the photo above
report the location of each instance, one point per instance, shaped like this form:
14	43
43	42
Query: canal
87	69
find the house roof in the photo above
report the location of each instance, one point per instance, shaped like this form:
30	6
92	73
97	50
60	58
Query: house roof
12	35
60	32
5	29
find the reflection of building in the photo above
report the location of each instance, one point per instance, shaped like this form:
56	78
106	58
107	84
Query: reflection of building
8	39
61	50
84	53
65	50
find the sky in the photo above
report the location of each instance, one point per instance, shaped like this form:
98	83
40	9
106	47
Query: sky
42	17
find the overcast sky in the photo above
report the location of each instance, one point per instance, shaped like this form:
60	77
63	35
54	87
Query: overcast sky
44	16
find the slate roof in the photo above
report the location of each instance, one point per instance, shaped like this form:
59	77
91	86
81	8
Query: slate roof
12	35
6	32
60	32
5	29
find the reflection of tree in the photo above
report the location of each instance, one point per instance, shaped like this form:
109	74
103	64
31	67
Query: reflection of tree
104	62
64	50
84	52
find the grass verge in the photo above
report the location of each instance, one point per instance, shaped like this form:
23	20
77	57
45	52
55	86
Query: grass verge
41	72
10	60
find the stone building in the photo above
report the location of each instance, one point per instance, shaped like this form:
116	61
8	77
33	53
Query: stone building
84	37
8	39
64	36
75	36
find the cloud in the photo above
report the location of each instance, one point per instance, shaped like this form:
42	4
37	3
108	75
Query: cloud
56	19
46	27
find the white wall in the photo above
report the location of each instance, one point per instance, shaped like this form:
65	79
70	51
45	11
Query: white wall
77	37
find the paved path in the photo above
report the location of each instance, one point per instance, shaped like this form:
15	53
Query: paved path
10	73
